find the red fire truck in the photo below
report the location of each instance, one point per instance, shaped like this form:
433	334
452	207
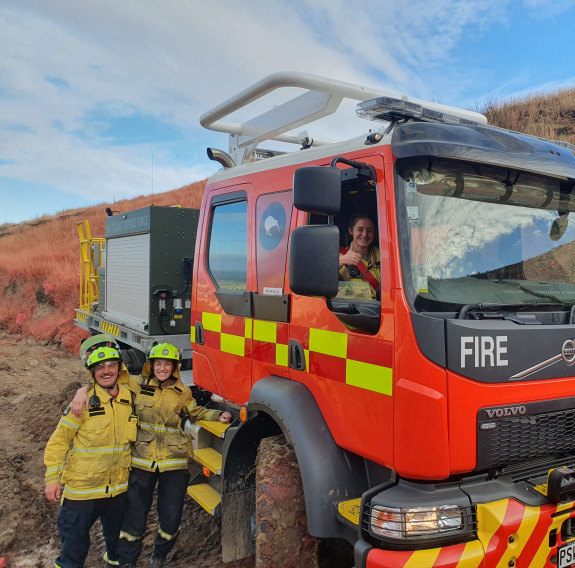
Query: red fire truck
427	420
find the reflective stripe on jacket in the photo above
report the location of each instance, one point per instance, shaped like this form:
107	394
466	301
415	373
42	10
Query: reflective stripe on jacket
161	442
98	464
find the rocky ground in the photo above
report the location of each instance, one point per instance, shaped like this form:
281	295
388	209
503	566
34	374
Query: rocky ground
36	383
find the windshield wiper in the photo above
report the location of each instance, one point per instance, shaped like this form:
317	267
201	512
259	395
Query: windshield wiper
534	292
505	308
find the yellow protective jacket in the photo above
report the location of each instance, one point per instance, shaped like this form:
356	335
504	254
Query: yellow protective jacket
161	442
372	265
98	464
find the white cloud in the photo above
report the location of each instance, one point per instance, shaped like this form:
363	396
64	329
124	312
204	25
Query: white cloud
64	62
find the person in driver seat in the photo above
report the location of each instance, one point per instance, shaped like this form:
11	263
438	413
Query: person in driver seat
361	260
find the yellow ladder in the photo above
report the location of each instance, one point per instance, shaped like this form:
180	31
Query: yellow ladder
206	486
88	273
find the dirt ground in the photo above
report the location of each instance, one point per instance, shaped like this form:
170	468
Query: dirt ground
37	381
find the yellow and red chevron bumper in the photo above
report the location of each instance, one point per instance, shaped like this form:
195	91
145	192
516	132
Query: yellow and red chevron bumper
509	535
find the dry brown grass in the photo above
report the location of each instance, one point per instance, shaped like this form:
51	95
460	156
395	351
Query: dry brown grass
549	115
39	259
40	262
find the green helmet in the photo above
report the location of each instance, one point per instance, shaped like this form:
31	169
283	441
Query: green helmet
92	343
164	351
102	354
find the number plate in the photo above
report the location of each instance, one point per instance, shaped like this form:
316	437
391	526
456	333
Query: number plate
566	555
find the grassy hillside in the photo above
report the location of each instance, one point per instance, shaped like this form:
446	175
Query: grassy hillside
550	115
40	260
40	264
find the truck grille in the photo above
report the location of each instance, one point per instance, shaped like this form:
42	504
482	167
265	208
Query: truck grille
511	434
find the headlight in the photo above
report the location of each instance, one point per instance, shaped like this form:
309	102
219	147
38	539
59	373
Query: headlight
416	522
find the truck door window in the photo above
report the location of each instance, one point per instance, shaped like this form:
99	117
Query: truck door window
357	302
273	214
359	213
228	246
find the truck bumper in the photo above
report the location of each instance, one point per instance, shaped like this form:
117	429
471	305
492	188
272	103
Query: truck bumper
508	534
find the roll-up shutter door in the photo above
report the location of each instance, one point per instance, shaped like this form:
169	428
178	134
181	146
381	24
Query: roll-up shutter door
128	277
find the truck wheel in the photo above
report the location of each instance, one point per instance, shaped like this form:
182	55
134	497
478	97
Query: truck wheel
282	539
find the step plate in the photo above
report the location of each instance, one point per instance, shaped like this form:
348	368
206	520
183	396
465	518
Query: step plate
209	458
216	428
349	510
205	496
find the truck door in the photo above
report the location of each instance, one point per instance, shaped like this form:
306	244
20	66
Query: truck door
344	354
271	300
222	301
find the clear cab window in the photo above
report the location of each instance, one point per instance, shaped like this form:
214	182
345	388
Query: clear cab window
475	234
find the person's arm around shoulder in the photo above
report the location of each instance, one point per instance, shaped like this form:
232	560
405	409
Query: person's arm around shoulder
80	400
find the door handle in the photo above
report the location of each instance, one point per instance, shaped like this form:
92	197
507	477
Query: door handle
199	333
296	359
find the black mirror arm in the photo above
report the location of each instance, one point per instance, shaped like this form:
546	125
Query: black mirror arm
363	170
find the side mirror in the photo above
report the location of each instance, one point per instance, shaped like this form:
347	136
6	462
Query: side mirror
559	226
317	190
314	261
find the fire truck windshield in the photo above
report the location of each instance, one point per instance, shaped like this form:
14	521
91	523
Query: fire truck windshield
473	233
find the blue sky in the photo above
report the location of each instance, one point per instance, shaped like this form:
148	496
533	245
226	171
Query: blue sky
100	100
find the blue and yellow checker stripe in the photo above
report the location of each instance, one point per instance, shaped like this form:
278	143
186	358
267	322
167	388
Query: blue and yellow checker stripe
354	360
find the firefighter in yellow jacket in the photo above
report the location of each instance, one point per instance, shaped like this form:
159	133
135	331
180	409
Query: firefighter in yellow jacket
95	476
161	452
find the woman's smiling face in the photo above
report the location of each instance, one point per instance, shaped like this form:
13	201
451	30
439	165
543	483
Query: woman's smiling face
363	232
163	369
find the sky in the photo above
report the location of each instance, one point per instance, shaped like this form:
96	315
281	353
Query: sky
100	99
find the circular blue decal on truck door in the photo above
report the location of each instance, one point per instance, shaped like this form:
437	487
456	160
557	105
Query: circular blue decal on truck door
272	226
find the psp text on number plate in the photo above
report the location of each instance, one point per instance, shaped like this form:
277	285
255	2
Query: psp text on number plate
566	555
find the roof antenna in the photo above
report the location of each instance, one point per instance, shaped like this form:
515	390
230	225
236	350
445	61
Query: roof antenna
152	152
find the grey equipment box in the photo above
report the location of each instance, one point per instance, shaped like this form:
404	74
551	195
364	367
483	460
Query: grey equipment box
148	269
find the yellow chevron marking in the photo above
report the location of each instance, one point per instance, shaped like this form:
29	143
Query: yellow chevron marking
542	554
473	555
489	519
110	328
422	558
521	537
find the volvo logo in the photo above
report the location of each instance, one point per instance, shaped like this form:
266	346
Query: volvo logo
506	411
568	352
567	355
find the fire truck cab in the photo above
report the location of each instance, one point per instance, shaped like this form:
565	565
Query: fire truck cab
431	417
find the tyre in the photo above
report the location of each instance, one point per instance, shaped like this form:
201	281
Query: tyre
282	539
